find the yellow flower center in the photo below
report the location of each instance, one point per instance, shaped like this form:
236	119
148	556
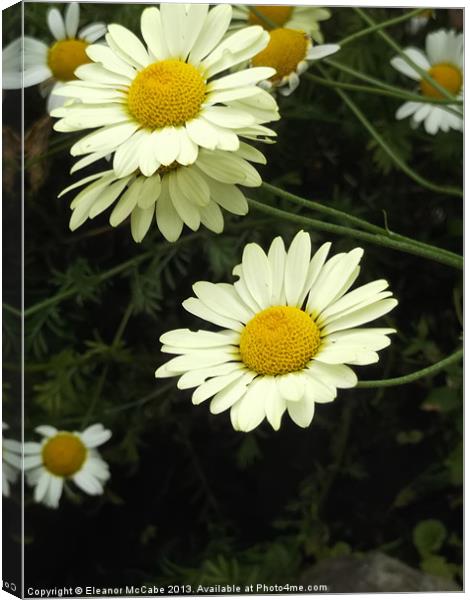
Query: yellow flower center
65	56
167	93
447	75
285	50
279	340
277	14
64	454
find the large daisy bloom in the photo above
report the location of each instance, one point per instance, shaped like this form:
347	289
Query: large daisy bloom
289	328
64	456
289	52
306	18
163	101
51	64
173	196
11	462
443	61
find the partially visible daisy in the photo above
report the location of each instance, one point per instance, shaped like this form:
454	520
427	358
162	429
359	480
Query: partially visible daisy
415	24
175	195
443	61
289	328
11	462
306	18
64	456
53	64
289	52
164	101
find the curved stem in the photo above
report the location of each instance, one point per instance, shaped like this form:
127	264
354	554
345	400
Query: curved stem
430	253
451	191
426	372
372	28
339	214
391	42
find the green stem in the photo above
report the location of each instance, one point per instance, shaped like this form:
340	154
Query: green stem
451	191
11	309
263	18
104	373
111	273
430	253
426	372
391	88
339	214
391	42
354	87
389	23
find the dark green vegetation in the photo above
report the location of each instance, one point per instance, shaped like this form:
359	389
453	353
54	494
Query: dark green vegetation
190	500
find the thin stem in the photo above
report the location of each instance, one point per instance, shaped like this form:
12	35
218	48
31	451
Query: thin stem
426	372
365	89
391	42
451	191
263	18
111	273
11	309
389	23
430	253
339	214
104	373
391	88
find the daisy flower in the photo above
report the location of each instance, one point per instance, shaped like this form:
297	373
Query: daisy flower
443	61
306	18
52	65
173	196
163	101
289	52
289	328
11	462
64	456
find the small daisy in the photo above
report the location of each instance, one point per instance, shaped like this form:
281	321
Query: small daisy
444	63
174	195
52	65
11	462
306	18
288	328
163	101
64	456
289	52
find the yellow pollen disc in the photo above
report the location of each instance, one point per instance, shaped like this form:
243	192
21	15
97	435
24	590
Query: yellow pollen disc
277	14
65	56
447	75
64	454
285	50
279	340
168	92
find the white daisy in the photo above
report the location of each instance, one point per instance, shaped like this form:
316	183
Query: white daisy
289	52
51	65
443	61
289	325
306	18
163	101
64	456
11	462
174	195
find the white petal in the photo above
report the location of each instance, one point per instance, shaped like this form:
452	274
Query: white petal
257	274
129	43
152	32
291	386
301	412
339	376
168	220
251	410
274	405
213	30
56	24
297	265
141	219
363	315
197	308
72	18
223	299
